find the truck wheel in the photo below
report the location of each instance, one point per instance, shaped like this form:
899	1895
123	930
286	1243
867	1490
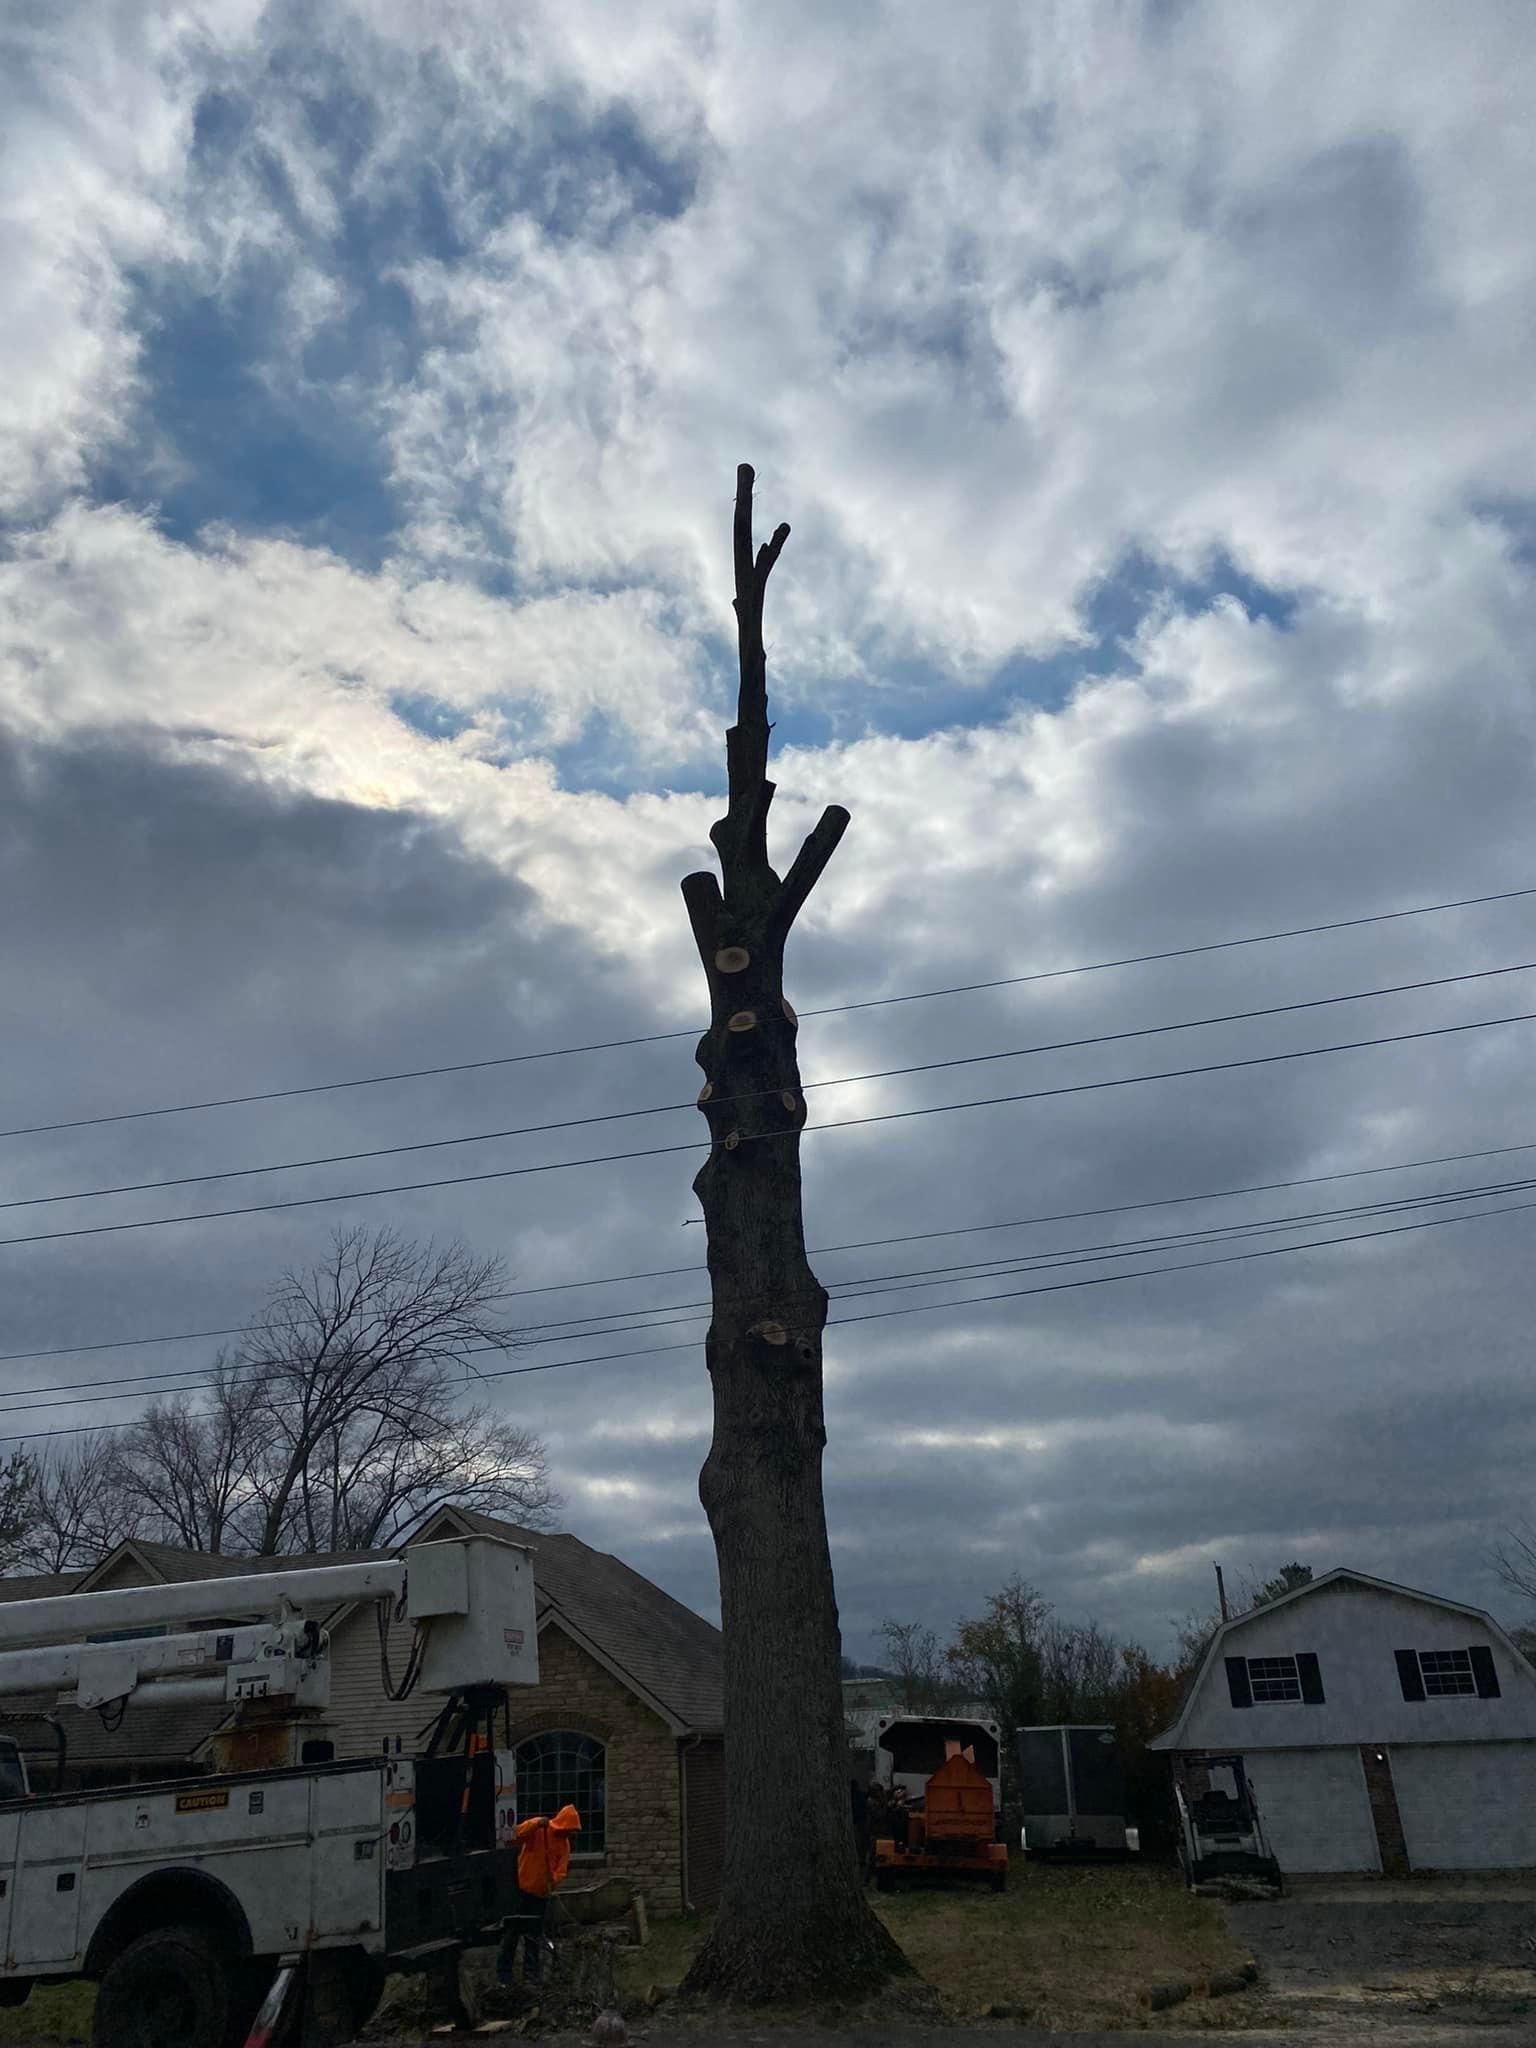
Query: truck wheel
168	1989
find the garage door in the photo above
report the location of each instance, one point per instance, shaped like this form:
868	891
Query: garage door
1467	1805
1314	1809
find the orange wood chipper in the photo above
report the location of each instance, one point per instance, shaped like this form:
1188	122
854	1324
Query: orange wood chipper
954	1828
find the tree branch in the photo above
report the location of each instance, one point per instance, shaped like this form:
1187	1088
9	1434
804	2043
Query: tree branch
701	895
806	870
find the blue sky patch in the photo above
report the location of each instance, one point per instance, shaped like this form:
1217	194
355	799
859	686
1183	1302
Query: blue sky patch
223	435
246	416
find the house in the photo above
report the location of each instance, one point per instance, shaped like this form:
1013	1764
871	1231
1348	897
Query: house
1382	1730
626	1721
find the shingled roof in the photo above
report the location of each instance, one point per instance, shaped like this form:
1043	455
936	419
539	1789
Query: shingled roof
668	1654
662	1647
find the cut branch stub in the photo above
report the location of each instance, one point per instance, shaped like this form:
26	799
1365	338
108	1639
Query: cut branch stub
743	1020
771	1333
705	1093
733	959
789	1010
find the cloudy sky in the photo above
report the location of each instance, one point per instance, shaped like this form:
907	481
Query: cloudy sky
1148	388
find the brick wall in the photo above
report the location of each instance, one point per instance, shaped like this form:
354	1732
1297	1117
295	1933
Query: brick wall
704	1766
644	1816
1382	1794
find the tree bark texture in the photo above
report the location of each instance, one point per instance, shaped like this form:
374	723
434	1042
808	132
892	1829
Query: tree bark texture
793	1922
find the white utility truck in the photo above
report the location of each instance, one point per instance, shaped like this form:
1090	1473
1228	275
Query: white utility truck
191	1901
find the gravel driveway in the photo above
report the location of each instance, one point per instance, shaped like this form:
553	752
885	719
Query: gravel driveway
1425	1955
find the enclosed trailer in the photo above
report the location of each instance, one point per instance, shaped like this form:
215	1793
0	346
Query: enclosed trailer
1072	1792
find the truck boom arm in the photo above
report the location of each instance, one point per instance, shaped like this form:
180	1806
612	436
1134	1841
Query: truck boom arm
254	1593
471	1599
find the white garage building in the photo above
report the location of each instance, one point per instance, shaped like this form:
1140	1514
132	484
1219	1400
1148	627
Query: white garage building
1381	1730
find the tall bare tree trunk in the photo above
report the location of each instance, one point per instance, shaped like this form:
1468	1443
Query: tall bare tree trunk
793	1921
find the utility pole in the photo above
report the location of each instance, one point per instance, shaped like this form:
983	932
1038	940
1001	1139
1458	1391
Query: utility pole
793	1922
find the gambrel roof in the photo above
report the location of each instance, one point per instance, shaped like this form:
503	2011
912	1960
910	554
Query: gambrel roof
1216	1649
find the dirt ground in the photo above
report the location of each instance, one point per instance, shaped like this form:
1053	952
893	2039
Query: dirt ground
1425	1955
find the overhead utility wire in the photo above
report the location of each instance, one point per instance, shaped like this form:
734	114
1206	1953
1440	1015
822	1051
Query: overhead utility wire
828	1250
924	995
921	1307
613	1116
839	1124
853	1287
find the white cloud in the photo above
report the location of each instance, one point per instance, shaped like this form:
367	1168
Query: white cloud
991	307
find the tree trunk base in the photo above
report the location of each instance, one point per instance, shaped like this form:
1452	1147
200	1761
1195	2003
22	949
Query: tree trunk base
750	1964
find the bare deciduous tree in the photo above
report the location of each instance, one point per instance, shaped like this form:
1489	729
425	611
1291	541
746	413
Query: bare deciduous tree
999	1656
187	1472
17	1511
1082	1672
75	1507
1516	1561
917	1663
365	1360
343	1415
793	1921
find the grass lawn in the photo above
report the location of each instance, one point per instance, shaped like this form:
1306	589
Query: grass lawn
1067	1947
54	2012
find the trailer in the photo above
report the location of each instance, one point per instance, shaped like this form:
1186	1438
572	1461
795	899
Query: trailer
940	1775
187	1902
1072	1792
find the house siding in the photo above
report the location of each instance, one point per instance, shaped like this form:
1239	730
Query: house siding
360	1720
1355	1632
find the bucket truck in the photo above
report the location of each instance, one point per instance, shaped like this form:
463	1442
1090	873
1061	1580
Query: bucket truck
186	1901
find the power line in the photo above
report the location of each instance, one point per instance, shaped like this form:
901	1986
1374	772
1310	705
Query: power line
840	1124
572	1123
828	1010
926	1307
828	1250
853	1287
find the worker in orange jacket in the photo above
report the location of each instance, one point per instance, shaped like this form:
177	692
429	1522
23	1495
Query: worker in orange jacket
543	1857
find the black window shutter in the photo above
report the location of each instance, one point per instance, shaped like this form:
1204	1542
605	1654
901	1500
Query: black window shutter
1237	1682
1311	1678
1409	1675
1483	1671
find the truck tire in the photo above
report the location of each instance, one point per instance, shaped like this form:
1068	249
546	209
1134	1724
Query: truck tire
169	1989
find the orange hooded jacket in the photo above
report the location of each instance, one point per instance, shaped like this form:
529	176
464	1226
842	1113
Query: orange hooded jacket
544	1850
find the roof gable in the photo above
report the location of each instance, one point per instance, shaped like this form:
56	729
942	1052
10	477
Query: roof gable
665	1652
1342	1576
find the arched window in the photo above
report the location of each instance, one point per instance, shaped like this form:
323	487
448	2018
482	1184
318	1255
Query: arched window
562	1768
